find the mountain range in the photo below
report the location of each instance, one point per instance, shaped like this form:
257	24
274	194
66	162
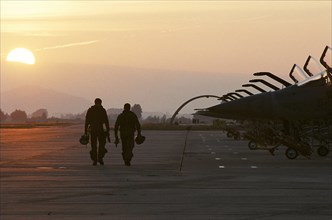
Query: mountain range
31	98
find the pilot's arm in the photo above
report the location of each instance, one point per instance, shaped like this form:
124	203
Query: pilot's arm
87	122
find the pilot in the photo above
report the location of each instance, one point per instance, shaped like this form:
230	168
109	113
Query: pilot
128	123
95	119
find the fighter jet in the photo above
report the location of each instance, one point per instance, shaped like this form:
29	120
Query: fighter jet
295	116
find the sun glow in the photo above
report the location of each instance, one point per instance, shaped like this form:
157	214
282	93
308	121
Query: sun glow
21	55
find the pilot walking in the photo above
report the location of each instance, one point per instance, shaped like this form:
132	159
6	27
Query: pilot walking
127	122
95	119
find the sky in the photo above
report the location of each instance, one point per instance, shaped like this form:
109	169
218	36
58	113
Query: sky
158	53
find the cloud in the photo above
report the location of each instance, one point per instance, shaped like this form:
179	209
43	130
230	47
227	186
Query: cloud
68	45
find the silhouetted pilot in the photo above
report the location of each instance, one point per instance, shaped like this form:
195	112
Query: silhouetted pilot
95	119
128	123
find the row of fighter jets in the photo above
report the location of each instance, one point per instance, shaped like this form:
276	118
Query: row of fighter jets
296	115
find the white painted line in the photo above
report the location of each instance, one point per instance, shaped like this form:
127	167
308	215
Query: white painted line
221	167
253	167
217	158
45	168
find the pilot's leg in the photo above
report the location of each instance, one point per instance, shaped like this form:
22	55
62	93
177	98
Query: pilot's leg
126	149
93	152
101	150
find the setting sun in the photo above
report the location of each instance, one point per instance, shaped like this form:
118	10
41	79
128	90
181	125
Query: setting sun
21	55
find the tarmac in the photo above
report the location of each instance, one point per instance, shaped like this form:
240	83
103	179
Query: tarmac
47	174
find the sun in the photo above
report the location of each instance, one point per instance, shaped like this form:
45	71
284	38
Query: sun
21	55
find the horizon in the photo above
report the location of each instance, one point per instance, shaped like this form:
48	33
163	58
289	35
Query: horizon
31	109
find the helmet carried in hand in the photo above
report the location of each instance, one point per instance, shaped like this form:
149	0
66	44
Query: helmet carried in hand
139	139
84	139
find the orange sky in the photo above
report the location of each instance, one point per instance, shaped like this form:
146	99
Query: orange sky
203	38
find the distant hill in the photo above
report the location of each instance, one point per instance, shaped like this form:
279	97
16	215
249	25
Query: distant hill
157	114
117	111
31	98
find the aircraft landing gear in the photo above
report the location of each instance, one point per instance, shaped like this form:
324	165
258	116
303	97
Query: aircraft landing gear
252	145
322	151
291	153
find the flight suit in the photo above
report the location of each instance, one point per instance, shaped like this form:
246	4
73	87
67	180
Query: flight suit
127	122
95	119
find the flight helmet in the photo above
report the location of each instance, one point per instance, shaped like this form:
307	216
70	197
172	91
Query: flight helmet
84	139
139	139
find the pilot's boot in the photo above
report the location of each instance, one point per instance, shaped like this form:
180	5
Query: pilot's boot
93	156
101	153
127	156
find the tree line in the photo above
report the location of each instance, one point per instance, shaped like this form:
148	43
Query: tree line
41	115
21	116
